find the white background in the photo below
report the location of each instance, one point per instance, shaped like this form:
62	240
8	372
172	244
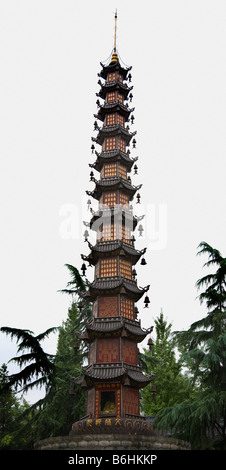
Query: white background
50	53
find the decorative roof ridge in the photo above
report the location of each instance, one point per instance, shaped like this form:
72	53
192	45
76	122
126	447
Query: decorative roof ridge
118	323
116	244
114	127
115	179
113	130
113	153
118	281
107	106
113	83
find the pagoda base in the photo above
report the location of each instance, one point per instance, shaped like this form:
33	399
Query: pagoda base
110	425
126	442
115	434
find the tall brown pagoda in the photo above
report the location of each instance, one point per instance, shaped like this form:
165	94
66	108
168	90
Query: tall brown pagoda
113	376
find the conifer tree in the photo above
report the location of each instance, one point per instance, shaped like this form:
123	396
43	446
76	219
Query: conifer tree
203	420
170	384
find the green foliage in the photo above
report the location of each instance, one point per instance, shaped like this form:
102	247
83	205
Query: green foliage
66	402
172	386
11	411
203	349
21	424
38	364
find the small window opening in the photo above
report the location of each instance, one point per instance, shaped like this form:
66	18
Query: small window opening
107	402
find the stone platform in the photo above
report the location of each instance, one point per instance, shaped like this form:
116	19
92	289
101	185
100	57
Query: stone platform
112	434
123	441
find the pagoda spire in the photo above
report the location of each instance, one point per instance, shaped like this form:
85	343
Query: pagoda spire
115	30
114	57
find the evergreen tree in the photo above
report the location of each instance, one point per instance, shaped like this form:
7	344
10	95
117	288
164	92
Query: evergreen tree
11	412
66	401
203	420
39	365
171	385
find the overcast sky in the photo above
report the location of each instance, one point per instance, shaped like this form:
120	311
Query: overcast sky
50	54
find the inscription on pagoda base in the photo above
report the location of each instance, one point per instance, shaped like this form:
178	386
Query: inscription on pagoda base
112	425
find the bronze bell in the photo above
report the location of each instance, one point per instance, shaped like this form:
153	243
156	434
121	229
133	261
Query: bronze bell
86	234
135	169
140	230
146	301
83	269
150	344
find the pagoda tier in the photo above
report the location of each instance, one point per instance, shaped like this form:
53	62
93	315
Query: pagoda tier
115	212
114	156
113	248
114	130
114	107
113	376
114	85
113	286
113	184
116	372
114	68
116	326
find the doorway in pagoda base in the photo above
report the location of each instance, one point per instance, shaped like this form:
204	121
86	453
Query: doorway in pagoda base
107	400
107	403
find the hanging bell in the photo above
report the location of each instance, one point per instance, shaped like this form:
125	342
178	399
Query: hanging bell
88	203
91	176
150	344
135	169
130	96
132	119
136	311
76	347
143	262
129	179
153	391
80	306
83	269
140	230
92	148
138	198
129	77
134	273
86	234
134	143
95	126
146	301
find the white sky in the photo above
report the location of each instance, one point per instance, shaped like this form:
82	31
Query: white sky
50	53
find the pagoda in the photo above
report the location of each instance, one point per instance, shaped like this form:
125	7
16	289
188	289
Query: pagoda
113	377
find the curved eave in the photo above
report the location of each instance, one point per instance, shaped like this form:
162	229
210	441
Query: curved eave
108	87
111	184
109	248
113	131
112	156
119	213
115	285
99	328
113	108
115	371
114	67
